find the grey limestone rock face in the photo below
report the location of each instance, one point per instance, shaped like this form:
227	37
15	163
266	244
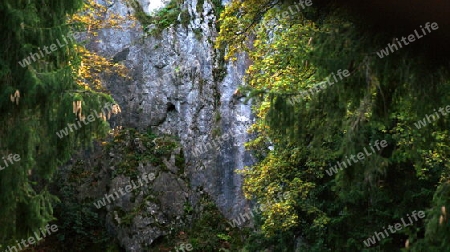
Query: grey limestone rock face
176	88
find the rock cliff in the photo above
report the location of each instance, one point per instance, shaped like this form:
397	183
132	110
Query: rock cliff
180	86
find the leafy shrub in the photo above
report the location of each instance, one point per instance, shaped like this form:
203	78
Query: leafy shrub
154	24
81	227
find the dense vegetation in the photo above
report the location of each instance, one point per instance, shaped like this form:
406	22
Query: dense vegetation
159	20
47	90
41	98
299	136
382	99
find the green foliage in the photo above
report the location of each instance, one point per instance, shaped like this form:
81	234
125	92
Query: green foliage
224	237
198	33
188	209
206	230
162	18
199	6
381	100
154	148
126	218
80	225
280	242
29	125
437	224
218	7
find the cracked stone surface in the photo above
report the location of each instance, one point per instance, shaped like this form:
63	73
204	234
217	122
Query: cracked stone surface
173	90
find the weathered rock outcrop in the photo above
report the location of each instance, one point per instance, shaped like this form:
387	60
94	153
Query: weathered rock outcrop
181	86
140	183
